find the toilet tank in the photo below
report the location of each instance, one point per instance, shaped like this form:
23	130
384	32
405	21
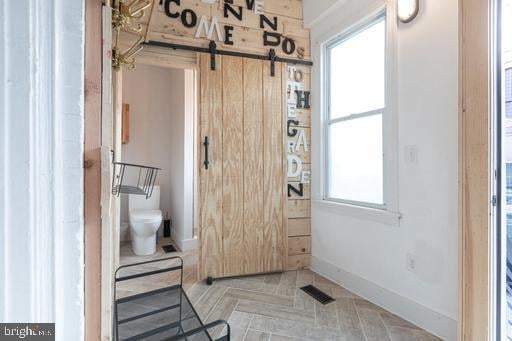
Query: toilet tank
139	202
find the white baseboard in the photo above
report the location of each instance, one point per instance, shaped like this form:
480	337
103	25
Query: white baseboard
426	318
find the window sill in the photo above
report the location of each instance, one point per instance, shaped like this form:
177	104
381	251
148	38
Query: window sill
359	212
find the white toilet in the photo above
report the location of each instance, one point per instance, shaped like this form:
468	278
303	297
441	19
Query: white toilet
145	219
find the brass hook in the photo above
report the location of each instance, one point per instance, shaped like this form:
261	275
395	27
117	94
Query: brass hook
124	16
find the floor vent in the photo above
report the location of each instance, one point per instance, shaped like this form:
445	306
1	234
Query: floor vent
169	248
317	294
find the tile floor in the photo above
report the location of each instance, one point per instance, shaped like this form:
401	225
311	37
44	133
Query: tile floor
272	307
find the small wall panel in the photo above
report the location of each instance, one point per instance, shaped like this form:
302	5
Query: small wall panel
299	245
299	227
299	262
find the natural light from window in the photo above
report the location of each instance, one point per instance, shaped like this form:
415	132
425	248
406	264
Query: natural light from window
356	103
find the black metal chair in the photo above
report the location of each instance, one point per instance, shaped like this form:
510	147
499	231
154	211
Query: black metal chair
162	314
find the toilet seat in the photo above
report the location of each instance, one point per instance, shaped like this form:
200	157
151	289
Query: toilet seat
145	216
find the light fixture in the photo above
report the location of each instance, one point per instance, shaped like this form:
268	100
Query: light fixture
408	10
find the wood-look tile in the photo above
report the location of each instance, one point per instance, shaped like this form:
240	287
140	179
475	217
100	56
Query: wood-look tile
287	284
338	291
206	303
247	284
239	319
256	335
326	315
197	290
406	334
373	326
395	321
260	297
277	337
273	279
239	322
320	280
272	306
303	301
304	277
364	304
221	311
349	323
276	311
294	329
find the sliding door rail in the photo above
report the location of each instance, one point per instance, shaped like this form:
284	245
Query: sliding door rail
212	50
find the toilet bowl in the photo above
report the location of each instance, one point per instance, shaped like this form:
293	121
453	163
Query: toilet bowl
145	219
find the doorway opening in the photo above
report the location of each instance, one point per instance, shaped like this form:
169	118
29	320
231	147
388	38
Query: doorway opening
159	115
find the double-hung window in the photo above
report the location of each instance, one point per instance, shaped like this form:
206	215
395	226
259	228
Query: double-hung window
355	65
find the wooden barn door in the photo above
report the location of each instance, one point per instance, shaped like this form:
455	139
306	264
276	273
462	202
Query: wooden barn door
242	198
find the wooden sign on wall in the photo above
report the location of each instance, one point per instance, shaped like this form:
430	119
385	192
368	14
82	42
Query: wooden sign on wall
220	24
250	26
299	166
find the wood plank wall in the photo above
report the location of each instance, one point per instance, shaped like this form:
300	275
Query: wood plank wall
476	277
299	206
247	33
92	165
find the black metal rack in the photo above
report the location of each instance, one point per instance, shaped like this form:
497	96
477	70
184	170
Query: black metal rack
146	176
161	314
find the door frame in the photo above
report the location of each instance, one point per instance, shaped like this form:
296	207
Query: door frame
92	167
477	234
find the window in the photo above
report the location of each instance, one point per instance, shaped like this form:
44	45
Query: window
355	109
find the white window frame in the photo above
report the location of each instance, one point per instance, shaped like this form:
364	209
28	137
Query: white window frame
388	213
328	121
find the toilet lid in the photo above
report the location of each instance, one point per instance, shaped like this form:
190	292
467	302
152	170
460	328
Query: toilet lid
146	215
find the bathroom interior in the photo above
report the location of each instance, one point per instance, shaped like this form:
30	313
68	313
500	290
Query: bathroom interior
158	131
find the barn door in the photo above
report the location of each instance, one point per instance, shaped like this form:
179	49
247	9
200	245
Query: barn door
242	167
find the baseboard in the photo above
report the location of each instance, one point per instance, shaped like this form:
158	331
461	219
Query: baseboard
426	318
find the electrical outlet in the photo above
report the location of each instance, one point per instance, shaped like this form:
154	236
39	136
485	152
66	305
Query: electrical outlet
411	262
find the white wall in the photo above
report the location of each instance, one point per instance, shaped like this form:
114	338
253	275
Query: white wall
368	256
314	10
158	134
41	165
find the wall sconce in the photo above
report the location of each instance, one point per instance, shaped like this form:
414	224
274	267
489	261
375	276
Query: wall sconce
408	10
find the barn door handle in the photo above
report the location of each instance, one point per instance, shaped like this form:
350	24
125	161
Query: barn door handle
206	144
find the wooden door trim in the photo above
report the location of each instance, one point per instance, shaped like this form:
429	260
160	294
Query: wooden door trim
92	168
475	133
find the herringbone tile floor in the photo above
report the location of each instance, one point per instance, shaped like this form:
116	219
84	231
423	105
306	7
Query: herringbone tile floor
272	307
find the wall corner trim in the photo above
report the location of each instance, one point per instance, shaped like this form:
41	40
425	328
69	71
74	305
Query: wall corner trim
426	318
